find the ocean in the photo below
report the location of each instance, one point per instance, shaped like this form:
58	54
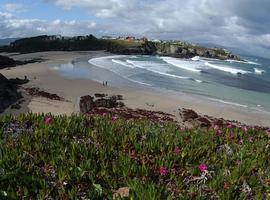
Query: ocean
244	84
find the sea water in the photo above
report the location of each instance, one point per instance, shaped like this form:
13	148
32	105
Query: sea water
244	83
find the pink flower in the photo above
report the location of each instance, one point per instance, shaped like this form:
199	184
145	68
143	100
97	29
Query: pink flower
268	131
48	120
245	129
163	171
114	118
203	167
219	132
104	114
182	130
177	150
216	127
229	125
226	185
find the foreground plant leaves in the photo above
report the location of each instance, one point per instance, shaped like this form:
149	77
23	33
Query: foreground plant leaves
107	157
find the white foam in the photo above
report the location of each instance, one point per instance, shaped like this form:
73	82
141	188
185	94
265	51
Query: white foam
245	62
229	103
140	64
142	83
226	69
183	64
196	58
258	71
122	63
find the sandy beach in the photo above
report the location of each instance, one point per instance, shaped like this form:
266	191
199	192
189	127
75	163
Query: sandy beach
42	76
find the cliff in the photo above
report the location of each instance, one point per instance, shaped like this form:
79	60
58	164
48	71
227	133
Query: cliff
129	47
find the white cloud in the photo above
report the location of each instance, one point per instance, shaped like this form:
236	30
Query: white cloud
241	23
14	7
11	26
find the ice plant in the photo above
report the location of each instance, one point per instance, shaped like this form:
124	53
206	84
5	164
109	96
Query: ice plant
245	129
226	185
114	118
48	120
219	132
216	127
163	171
104	114
229	125
177	150
203	167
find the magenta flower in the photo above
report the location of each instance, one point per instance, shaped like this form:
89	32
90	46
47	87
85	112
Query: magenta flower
177	150
268	131
48	120
163	171
182	130
104	114
229	125
216	127
245	129
203	167
219	132
114	118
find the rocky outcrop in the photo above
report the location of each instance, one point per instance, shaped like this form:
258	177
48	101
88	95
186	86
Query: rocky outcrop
178	50
88	103
8	91
6	62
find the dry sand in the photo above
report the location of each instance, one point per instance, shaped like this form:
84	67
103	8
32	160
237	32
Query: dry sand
42	76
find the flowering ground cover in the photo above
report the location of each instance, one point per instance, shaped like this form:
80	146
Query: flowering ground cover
106	157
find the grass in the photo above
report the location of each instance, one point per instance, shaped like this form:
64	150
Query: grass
81	157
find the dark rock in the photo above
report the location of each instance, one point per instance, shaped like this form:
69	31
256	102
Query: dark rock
16	106
99	95
86	104
38	93
188	114
8	93
204	122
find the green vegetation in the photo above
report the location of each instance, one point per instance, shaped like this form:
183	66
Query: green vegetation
118	46
78	157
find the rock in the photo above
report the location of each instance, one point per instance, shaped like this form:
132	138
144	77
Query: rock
7	62
86	104
38	93
188	114
204	122
99	95
16	106
8	93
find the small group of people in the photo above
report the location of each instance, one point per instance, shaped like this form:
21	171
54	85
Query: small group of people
105	83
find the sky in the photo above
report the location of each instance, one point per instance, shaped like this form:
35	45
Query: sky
242	24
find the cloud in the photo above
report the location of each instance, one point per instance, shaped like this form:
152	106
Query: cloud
14	7
242	23
11	26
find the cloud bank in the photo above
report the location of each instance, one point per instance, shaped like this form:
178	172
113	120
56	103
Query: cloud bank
242	23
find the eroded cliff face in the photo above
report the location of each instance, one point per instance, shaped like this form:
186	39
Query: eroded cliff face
186	51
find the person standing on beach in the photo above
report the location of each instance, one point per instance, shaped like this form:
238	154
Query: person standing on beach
106	83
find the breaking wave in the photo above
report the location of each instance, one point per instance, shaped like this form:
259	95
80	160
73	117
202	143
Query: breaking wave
258	71
183	64
226	69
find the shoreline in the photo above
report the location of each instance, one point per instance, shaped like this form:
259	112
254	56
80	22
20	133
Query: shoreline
41	76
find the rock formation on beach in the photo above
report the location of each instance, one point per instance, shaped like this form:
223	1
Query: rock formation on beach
9	91
6	62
